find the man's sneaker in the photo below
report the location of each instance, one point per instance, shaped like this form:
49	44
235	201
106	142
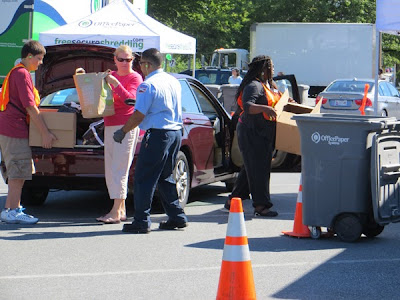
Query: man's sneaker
16	216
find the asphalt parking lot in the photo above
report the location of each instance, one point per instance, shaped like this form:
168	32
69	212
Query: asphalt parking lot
68	255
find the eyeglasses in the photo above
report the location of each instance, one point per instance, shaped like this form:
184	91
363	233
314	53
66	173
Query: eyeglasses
144	62
124	59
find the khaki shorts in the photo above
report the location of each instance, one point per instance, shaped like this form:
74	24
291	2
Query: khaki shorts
16	158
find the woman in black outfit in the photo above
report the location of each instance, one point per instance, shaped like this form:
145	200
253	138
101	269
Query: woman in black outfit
257	96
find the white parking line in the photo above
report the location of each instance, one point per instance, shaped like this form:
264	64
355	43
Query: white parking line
160	271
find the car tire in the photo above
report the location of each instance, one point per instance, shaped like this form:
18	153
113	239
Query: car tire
278	158
384	113
182	178
33	196
229	185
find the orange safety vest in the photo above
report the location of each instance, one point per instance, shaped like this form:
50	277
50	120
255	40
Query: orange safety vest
272	99
5	93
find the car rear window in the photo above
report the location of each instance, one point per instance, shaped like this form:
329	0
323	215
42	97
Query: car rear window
349	86
60	97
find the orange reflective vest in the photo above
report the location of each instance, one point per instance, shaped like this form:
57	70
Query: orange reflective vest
5	96
272	99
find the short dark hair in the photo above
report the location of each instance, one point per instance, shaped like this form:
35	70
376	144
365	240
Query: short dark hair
153	56
32	47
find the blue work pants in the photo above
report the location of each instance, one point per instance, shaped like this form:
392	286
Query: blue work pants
154	167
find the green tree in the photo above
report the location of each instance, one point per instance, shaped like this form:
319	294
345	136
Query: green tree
227	23
214	24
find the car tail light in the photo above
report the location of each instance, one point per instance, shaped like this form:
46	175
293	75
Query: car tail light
324	100
367	103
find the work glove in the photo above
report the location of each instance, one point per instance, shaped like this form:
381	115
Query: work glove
119	135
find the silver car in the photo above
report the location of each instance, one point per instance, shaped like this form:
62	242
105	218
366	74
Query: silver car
345	96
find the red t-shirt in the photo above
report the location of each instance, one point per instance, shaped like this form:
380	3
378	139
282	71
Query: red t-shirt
13	121
126	89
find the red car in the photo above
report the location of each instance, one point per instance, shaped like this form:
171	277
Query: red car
204	157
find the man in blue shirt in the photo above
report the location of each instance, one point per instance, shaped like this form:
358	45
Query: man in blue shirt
158	110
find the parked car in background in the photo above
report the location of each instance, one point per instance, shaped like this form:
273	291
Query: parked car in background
204	156
345	96
212	76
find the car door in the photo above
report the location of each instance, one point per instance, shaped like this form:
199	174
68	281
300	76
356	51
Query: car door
395	97
289	82
387	102
221	123
198	136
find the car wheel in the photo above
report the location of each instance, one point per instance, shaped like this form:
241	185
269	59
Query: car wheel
34	196
278	158
384	113
229	184
182	178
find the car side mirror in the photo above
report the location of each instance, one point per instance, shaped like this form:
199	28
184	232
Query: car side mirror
130	101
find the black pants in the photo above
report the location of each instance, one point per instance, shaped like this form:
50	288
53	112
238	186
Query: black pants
241	187
257	155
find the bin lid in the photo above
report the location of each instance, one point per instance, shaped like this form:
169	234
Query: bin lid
375	122
385	176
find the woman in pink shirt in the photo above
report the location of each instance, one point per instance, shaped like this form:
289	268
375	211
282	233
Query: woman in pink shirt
118	157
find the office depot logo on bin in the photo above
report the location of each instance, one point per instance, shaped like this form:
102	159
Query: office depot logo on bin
316	137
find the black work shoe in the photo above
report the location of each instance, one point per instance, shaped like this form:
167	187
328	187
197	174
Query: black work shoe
171	225
135	228
265	213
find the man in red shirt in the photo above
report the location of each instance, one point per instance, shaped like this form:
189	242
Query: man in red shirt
19	99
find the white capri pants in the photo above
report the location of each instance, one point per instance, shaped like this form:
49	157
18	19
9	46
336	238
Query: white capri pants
117	160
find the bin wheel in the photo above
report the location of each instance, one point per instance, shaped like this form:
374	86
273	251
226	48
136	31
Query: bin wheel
372	229
315	232
348	227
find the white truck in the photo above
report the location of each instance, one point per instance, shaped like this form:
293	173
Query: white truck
317	53
230	58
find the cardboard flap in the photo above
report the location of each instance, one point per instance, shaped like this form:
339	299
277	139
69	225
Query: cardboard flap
282	102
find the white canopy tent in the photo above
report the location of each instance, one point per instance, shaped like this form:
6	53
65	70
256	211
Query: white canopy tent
120	23
387	21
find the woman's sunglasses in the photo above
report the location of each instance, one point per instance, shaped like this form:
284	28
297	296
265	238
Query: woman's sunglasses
124	59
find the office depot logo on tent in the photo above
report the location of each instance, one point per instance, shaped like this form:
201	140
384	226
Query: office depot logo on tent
85	23
105	24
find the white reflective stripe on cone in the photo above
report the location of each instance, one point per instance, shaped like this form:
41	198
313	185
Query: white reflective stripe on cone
236	253
300	195
236	226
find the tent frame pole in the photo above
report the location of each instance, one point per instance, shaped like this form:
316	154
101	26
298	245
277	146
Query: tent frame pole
378	65
194	64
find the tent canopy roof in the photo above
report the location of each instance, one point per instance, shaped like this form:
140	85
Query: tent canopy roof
388	16
120	23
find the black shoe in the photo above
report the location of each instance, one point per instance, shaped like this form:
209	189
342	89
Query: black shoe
265	212
227	205
135	228
172	225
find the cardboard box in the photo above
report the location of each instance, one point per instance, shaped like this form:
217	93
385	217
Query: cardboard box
287	133
61	124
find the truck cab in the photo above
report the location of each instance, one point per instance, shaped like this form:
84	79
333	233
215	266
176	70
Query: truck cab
230	58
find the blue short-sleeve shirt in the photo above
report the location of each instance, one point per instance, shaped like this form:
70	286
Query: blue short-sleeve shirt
159	99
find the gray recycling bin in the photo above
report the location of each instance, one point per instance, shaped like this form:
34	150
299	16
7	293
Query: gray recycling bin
336	168
229	96
385	176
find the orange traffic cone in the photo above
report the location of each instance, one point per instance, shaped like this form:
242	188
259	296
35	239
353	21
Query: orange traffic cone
236	278
299	229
